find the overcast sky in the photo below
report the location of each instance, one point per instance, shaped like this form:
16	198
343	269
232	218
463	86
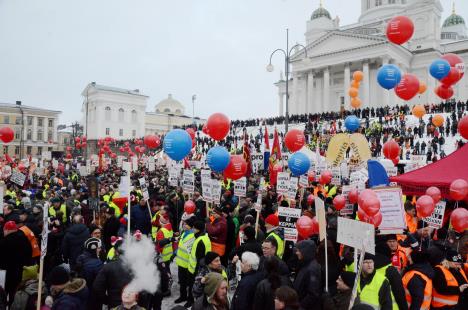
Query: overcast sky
216	49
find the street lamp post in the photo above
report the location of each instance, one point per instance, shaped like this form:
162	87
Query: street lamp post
194	97
287	58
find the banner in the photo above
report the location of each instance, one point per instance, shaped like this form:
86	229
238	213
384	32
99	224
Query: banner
240	187
282	183
216	191
355	233
17	177
287	220
144	188
337	147
392	209
292	189
360	147
188	181
437	216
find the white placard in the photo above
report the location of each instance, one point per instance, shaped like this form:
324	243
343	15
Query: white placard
349	207
151	164
320	208
120	160
240	187
134	163
262	186
126	166
303	181
292	190
174	176
94	160
392	209
144	188
287	220
257	160
83	171
206	185
282	183
355	233
336	176
258	203
188	181
437	216
46	155
17	177
216	191
55	163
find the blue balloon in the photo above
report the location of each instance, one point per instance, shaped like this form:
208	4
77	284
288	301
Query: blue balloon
439	69
298	163
352	123
177	144
218	158
389	76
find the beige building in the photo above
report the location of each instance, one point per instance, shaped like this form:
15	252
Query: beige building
35	129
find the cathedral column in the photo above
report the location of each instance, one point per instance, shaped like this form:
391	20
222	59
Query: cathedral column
310	93
385	93
365	84
326	89
281	103
347	82
294	108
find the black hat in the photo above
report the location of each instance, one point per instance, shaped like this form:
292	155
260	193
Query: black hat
419	257
190	221
210	256
55	200
249	219
218	209
436	256
92	244
453	256
348	278
369	256
249	232
110	211
392	237
58	276
200	225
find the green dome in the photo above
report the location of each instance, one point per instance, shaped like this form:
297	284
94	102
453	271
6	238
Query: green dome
453	20
320	12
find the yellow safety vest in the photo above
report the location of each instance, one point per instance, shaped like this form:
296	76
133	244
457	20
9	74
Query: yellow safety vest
350	267
63	208
280	242
167	249
154	229
382	271
184	249
370	294
193	258
111	254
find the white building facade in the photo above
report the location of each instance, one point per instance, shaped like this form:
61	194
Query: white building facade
319	80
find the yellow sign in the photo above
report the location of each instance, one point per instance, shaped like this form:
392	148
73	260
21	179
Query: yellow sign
340	143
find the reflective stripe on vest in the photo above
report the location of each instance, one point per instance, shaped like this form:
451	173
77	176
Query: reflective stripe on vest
370	294
184	249
36	252
193	258
280	242
63	209
440	300
167	249
426	304
382	271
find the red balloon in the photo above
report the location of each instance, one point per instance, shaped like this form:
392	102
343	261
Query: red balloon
364	195
137	149
69	148
311	176
152	141
237	168
108	139
424	206
435	194
142	149
459	219
205	129
391	149
353	196
78	145
194	143
408	87
113	155
126	143
400	29
189	207
106	148
84	144
339	202
310	199
191	132
294	140
6	134
121	149
362	215
452	78
463	127
455	61
307	227
218	126
131	154
396	160
443	91
458	189
376	220
83	138
69	156
325	177
77	139
371	205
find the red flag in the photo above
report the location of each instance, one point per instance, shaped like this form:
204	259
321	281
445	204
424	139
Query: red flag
246	154
275	158
267	140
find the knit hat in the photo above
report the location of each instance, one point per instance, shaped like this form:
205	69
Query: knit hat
249	219
92	244
210	256
392	237
212	282
190	221
200	225
453	256
10	225
419	257
348	278
369	256
55	200
249	232
218	209
272	219
59	276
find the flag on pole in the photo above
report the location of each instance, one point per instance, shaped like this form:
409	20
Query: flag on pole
266	152
275	158
246	154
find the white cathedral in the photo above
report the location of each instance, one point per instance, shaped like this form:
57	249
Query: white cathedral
319	80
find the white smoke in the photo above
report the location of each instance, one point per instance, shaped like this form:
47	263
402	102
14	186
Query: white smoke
139	257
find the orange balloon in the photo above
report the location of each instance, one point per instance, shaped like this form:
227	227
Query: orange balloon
419	111
355	84
356	102
358	76
353	92
438	120
422	87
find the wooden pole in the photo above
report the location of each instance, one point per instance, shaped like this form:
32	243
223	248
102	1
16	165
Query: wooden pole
41	274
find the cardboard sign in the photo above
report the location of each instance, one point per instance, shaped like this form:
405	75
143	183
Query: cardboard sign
216	191
287	220
349	207
151	164
336	176
392	209
144	188
303	181
356	234
174	177
282	183
437	216
83	171
134	163
258	203
240	187
320	208
188	181
206	185
17	177
292	190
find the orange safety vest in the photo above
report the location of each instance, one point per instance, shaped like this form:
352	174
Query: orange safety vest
439	300
426	304
412	223
36	252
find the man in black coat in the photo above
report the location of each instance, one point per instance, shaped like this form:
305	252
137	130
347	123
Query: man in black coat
245	293
111	227
74	239
15	253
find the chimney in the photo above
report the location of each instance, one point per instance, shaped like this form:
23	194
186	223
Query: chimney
18	102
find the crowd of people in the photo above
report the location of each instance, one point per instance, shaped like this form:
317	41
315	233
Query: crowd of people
223	255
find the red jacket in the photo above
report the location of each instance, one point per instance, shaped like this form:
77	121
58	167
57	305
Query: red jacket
217	230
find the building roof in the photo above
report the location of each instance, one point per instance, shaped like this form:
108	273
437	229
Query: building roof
135	92
320	12
453	19
26	107
170	105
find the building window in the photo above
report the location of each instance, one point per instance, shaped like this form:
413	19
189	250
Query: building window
166	110
391	1
40	122
18	120
50	149
29	150
17	150
134	116
107	131
6	119
39	150
133	133
39	135
120	132
378	2
49	135
17	134
5	149
29	134
30	120
51	122
121	115
65	141
108	114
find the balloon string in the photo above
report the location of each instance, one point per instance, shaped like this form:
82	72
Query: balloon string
422	232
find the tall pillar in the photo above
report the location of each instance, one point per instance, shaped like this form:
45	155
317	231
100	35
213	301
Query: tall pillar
365	84
385	92
326	89
310	108
281	104
54	131
347	83
46	129
34	128
294	108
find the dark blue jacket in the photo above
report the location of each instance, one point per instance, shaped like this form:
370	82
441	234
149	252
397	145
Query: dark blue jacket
140	219
73	242
73	296
245	293
88	266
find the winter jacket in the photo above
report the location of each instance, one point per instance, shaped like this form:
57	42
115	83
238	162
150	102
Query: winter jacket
88	267
217	230
339	301
140	219
203	270
26	296
249	246
73	242
15	252
308	282
385	298
203	304
73	297
244	296
283	268
417	284
110	281
110	228
265	295
135	307
394	278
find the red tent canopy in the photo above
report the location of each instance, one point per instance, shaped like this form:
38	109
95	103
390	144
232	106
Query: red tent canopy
440	174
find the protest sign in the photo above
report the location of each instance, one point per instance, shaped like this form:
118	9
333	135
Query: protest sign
355	233
151	164
437	216
257	160
336	176
287	220
93	195
349	207
392	209
188	181
292	190
262	186
144	188
258	203
46	155
282	183
174	177
320	208
240	187
206	185
303	181
1	199
83	171
17	177
134	163
216	191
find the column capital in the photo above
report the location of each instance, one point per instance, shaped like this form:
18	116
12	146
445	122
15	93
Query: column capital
366	61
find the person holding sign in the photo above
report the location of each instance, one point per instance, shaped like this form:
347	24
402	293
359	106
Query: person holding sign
217	231
273	231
